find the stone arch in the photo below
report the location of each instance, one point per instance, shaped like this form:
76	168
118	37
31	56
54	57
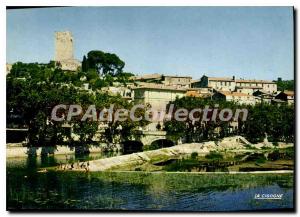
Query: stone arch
132	146
162	143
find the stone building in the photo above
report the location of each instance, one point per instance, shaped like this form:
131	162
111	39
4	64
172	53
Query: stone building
263	97
157	95
64	51
177	81
167	80
286	96
199	92
268	86
124	92
240	98
232	84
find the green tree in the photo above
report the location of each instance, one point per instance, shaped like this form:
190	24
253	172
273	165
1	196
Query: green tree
285	85
84	64
105	63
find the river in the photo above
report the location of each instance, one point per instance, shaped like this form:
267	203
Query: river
137	191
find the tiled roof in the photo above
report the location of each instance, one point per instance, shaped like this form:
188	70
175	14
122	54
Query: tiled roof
220	79
228	93
254	81
148	76
159	87
177	76
239	80
289	93
243	87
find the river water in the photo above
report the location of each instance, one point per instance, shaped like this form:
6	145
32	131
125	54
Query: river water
137	191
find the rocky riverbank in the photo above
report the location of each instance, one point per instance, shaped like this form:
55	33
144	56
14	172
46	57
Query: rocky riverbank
148	160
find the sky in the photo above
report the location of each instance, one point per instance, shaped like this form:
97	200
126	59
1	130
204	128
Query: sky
248	42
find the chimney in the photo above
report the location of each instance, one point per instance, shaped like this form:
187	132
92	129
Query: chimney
233	78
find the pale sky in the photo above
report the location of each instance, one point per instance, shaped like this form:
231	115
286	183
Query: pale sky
248	42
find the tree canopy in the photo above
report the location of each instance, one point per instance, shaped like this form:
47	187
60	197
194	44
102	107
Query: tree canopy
34	89
285	85
276	121
103	63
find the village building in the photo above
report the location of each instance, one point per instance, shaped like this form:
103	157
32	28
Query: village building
224	84
263	97
199	92
286	96
124	92
233	84
268	86
157	95
177	81
247	90
167	80
240	98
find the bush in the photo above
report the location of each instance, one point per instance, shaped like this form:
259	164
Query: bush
261	160
213	155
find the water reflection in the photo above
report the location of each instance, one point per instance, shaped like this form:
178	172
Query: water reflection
27	189
33	162
141	191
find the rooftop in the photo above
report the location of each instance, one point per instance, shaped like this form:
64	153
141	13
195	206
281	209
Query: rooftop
254	81
243	87
159	87
147	76
239	80
228	93
289	93
158	76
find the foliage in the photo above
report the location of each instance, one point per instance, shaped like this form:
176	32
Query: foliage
261	160
276	121
34	89
213	155
182	165
103	63
286	85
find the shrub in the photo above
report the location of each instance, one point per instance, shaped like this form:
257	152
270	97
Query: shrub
213	155
261	159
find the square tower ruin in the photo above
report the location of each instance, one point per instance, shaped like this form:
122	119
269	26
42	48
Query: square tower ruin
64	51
63	46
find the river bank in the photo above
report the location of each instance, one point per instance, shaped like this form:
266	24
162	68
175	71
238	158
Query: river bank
35	183
15	150
229	154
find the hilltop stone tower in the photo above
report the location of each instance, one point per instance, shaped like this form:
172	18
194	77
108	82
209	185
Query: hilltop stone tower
64	50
